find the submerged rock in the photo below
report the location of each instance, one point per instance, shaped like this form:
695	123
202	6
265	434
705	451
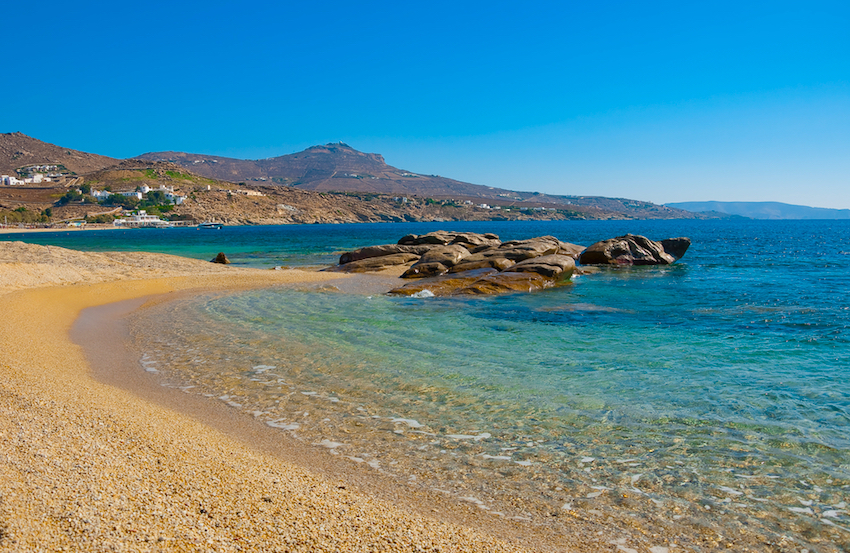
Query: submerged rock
443	285
507	282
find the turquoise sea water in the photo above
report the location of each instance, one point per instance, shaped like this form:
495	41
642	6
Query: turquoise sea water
707	397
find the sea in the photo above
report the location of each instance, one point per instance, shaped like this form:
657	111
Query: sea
710	397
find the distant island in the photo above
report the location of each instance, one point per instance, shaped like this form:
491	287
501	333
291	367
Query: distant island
763	210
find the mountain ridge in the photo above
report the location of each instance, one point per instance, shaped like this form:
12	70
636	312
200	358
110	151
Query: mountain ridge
763	210
338	167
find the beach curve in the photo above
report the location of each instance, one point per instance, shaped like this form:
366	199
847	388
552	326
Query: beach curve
86	466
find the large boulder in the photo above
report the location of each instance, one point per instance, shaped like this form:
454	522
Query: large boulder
380	251
471	240
553	266
436	261
519	250
631	249
473	263
425	270
572	250
676	246
372	264
476	242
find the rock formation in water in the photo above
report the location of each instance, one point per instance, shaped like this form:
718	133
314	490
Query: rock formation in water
460	263
633	249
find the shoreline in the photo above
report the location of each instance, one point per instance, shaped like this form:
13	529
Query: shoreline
107	324
86	465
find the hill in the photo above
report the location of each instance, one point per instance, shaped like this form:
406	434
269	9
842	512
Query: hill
330	183
18	151
764	210
340	168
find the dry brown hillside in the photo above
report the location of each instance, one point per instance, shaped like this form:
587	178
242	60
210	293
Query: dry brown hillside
19	150
340	168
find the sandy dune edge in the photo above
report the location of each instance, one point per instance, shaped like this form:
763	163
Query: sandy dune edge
88	467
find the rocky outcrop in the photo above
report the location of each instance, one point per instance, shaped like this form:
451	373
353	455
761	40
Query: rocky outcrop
373	264
676	246
454	263
382	250
633	249
220	258
551	266
470	240
437	261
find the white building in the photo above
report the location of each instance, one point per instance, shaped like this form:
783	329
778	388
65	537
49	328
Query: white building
142	219
10	180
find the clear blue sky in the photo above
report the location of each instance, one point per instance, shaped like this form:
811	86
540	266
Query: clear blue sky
659	101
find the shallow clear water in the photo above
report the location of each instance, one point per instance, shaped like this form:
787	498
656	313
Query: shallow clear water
710	395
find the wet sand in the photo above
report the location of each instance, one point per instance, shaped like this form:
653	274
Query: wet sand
107	460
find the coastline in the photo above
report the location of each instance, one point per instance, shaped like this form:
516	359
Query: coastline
18	230
88	466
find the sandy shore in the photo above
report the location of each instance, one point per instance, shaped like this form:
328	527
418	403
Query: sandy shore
86	466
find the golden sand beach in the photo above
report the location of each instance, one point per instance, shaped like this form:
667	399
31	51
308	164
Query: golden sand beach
89	466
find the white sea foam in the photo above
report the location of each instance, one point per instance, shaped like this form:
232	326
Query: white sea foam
409	422
284	425
423	294
330	444
482	436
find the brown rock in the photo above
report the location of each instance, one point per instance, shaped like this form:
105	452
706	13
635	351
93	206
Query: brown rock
552	266
476	242
382	250
507	282
423	270
447	255
436	261
440	237
443	285
220	258
374	263
676	246
472	240
572	250
498	263
630	249
519	250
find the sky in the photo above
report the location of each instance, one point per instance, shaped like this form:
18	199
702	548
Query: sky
656	101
